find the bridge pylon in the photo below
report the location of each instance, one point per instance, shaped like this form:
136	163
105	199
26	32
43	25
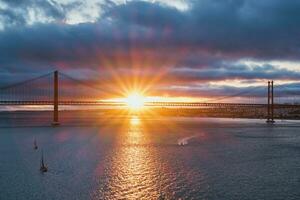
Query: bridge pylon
55	100
270	117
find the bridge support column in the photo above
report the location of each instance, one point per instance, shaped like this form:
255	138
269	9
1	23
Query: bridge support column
55	100
268	116
270	119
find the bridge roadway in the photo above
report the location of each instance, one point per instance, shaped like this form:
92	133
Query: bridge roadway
150	104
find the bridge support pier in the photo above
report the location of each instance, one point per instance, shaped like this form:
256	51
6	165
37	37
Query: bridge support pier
270	118
55	100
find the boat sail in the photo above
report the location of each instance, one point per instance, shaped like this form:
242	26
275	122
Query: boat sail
35	144
43	167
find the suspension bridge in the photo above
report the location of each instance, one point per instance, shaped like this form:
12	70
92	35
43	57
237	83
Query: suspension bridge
60	89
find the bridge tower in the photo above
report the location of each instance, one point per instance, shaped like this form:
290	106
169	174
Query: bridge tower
270	119
55	100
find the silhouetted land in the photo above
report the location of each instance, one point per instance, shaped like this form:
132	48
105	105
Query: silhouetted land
259	113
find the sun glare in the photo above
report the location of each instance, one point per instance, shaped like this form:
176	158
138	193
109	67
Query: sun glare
135	101
134	121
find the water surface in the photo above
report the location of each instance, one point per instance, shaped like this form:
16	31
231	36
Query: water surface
143	158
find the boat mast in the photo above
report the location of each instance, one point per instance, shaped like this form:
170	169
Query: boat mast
42	160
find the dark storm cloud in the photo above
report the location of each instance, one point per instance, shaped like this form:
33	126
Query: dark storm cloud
147	14
236	29
201	44
262	29
245	28
237	72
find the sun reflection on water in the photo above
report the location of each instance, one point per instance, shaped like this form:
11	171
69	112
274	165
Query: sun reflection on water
133	168
135	121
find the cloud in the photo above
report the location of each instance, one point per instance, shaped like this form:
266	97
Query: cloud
146	14
20	12
236	72
260	29
175	47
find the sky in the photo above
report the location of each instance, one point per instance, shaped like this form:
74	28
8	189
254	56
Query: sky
178	48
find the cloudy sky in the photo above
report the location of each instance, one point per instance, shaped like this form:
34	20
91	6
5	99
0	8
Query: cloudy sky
185	48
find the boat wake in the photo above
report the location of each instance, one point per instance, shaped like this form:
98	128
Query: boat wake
185	141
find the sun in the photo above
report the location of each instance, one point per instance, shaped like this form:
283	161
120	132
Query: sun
135	101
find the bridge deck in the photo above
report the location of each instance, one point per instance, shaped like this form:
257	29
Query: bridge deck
148	104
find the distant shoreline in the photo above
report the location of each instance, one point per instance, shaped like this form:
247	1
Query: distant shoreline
159	112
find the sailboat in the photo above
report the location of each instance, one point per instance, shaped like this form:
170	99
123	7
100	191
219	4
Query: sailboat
35	144
43	167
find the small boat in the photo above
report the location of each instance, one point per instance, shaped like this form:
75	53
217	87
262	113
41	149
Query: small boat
35	147
43	167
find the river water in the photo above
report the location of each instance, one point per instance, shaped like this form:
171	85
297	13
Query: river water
144	158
